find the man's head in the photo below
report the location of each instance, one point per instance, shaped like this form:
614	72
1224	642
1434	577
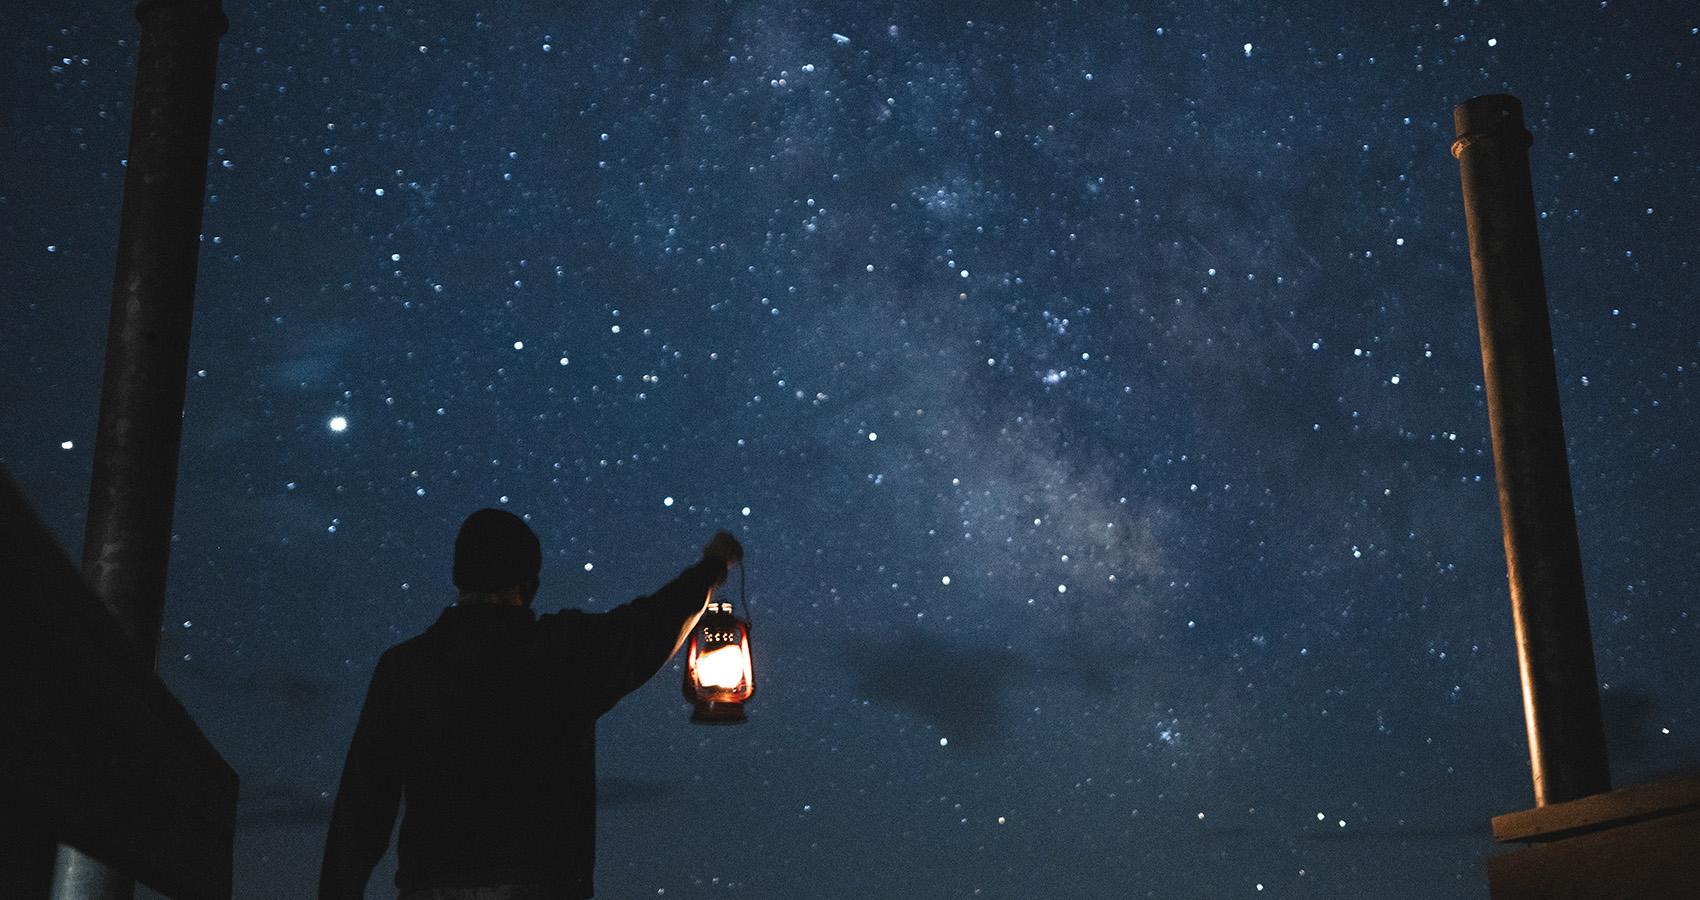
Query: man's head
497	558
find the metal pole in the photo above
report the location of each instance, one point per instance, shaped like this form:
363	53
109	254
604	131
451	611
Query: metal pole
1555	653
128	539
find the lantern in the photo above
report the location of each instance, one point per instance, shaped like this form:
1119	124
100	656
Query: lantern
718	675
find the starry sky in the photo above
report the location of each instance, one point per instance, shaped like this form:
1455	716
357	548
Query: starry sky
1095	390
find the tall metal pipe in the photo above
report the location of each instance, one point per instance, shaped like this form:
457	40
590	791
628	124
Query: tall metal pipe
1555	652
127	542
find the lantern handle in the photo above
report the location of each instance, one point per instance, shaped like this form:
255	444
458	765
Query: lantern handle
743	595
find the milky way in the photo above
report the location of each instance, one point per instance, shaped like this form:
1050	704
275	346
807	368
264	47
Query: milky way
1096	392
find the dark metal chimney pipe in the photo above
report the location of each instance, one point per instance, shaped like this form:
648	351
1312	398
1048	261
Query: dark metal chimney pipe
127	542
1555	652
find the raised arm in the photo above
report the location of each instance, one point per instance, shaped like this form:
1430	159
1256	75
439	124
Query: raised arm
630	643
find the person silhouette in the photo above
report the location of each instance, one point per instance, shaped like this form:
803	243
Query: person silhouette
486	725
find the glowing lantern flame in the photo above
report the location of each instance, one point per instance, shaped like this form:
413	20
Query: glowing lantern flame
725	667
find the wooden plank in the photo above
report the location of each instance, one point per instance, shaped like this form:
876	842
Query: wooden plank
98	751
1560	820
1657	857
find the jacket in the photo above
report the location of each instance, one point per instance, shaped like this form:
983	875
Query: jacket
486	725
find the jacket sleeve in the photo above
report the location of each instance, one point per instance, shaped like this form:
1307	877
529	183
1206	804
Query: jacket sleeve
624	647
368	797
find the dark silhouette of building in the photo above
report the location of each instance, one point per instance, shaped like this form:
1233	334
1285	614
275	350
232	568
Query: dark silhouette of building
98	755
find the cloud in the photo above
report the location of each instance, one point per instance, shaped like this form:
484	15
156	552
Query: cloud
308	355
263	687
958	688
268	805
278	805
613	791
1402	831
1637	746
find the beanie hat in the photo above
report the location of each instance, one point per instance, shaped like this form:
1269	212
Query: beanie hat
494	551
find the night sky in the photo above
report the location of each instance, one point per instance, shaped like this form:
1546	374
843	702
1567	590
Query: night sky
1096	393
